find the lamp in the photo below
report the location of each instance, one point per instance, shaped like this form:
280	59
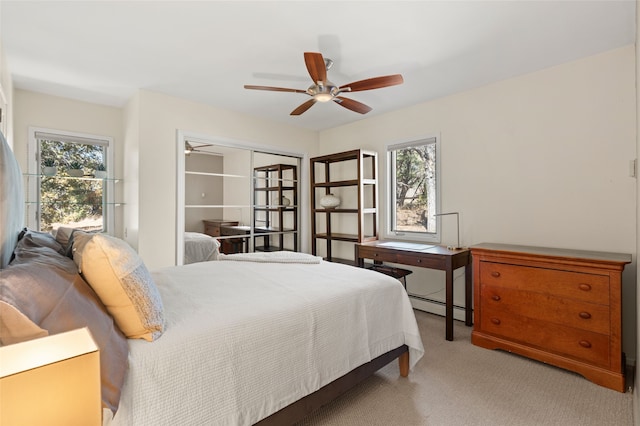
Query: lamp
457	229
53	380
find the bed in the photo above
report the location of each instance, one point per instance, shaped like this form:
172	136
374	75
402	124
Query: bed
256	338
199	247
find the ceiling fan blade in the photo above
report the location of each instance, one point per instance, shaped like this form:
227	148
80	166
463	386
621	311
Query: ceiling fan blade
274	89
316	66
352	105
374	83
302	108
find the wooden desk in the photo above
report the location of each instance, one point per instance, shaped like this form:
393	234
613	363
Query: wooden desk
425	256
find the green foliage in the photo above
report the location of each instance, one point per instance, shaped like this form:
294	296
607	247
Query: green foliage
414	167
49	162
65	200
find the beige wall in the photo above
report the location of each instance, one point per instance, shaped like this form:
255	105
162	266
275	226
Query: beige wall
541	159
38	110
6	85
160	117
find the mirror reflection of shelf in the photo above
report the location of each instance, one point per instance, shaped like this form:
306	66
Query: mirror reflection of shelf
215	174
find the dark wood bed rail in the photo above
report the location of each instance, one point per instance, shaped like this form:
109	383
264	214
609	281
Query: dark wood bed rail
305	406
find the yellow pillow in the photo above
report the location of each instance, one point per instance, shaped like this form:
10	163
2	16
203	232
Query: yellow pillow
122	282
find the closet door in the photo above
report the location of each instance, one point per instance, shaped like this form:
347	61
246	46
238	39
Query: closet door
222	193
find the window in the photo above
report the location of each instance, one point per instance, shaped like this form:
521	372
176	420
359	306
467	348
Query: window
414	190
68	184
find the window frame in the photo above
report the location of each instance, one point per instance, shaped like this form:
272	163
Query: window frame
33	169
388	228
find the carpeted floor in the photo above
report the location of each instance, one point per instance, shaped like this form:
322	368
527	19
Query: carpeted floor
456	383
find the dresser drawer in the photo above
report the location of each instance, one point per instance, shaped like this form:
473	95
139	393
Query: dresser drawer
575	285
578	344
573	313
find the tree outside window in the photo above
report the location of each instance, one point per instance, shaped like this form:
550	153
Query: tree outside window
72	201
413	180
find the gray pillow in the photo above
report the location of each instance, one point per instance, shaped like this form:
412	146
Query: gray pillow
46	287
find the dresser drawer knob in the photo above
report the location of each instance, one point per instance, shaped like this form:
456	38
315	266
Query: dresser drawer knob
585	315
584	287
585	344
495	321
495	274
496	297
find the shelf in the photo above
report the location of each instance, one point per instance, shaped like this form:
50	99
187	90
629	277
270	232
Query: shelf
339	183
345	237
275	224
323	210
274	208
269	248
349	262
215	174
362	206
275	188
214	206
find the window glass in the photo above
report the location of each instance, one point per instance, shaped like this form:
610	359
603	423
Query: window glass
72	197
413	190
69	181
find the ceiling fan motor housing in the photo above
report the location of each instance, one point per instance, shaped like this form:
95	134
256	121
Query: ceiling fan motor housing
324	91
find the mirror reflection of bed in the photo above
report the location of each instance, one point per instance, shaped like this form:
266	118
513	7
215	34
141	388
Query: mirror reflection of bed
200	248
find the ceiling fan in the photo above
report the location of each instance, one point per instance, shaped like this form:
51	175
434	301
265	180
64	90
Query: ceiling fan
323	90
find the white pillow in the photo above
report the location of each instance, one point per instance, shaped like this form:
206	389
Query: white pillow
122	282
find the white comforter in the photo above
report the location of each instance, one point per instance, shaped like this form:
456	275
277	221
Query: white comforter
245	339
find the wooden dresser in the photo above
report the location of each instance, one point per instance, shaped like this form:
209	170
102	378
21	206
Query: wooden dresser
561	307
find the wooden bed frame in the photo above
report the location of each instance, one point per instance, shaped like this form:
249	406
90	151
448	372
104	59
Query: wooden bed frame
305	406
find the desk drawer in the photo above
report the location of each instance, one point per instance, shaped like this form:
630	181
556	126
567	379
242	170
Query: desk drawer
404	258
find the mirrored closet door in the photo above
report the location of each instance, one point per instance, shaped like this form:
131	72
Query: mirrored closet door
248	199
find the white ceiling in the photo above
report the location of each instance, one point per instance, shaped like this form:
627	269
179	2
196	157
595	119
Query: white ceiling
206	51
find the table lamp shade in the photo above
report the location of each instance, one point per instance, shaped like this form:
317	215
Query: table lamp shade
54	380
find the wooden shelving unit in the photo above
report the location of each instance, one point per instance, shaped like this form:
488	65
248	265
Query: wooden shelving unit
352	175
275	224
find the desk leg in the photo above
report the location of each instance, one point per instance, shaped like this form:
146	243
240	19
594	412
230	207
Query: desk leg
468	296
449	303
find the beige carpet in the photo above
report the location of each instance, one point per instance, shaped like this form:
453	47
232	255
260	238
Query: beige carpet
456	383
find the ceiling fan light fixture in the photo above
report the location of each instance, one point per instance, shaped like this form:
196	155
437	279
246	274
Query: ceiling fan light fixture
323	97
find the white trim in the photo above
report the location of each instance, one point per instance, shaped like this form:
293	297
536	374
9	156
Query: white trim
386	197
